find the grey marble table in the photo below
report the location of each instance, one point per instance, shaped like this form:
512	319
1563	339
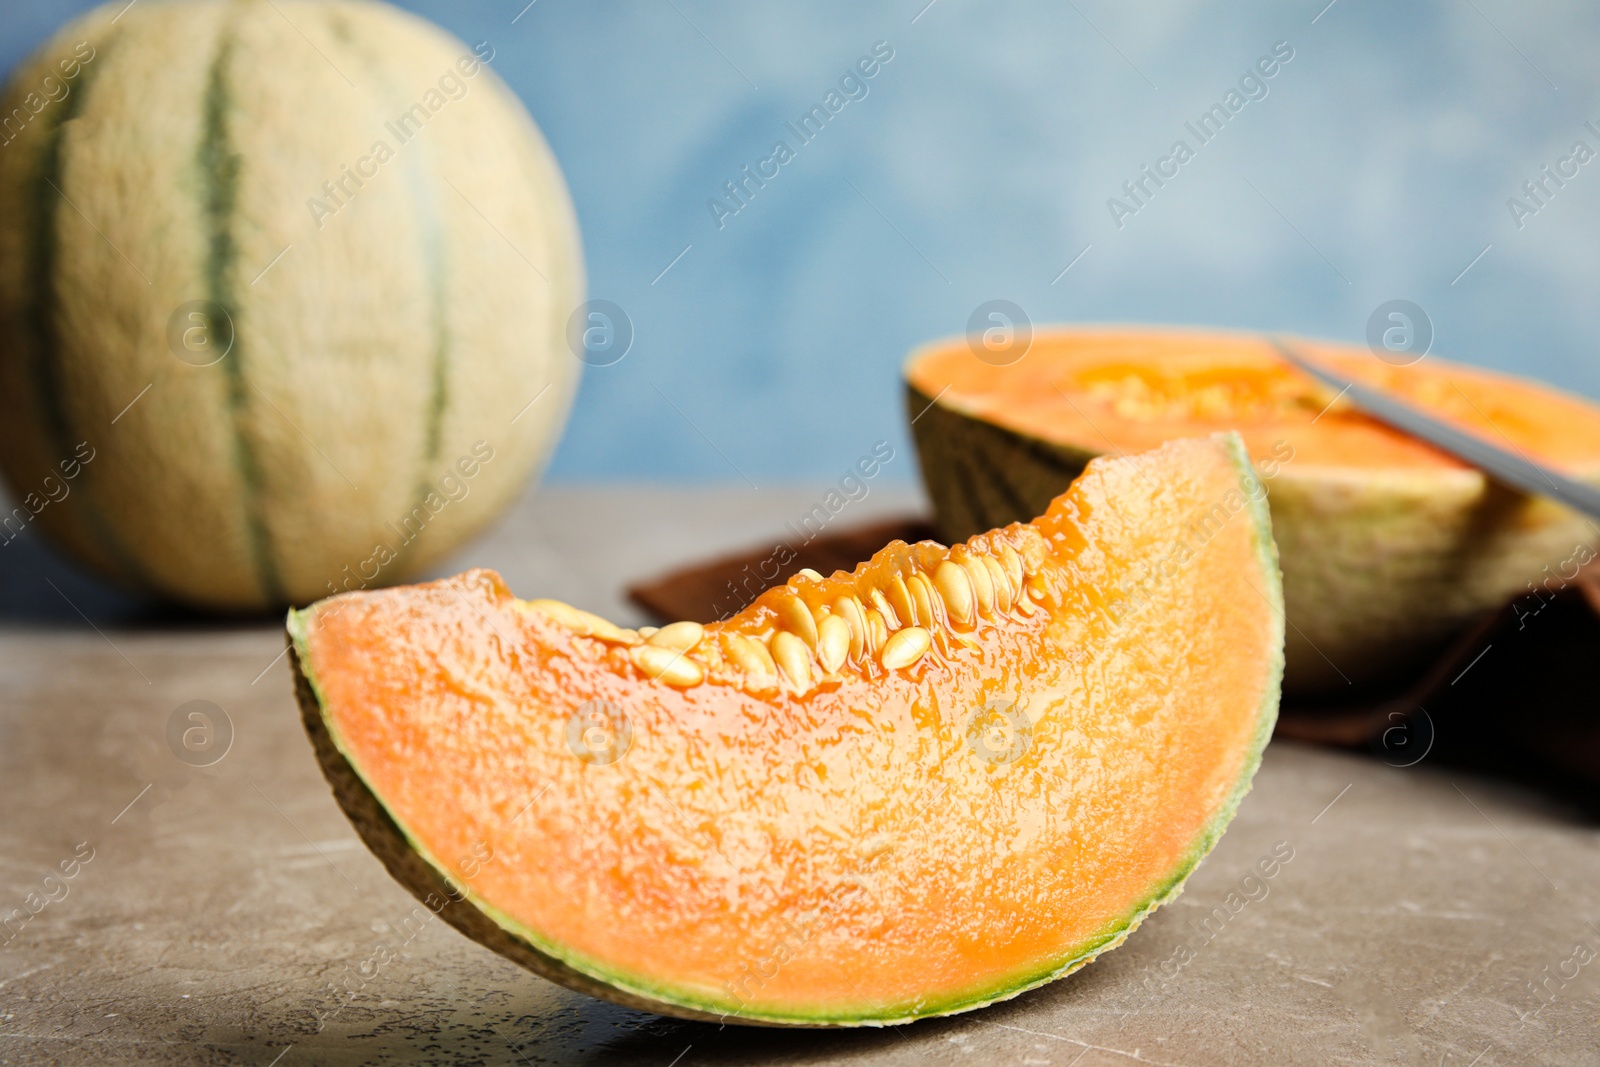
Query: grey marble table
214	915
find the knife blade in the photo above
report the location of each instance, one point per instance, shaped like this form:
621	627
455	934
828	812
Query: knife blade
1501	464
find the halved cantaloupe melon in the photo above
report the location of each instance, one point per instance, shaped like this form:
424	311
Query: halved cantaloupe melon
911	790
1389	546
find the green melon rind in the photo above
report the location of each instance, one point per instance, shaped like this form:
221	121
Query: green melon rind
411	864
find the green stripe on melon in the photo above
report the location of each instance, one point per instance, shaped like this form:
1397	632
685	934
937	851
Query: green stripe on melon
428	190
219	167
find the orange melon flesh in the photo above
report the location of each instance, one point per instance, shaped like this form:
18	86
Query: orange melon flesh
1127	389
848	849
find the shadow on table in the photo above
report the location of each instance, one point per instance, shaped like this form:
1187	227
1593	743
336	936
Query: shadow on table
1514	699
755	1045
599	1032
40	587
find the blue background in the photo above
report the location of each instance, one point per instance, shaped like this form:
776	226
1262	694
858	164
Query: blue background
979	166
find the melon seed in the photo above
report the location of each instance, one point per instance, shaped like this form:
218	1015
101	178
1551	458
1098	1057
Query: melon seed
797	617
900	597
668	666
807	572
877	631
833	642
792	658
955	589
886	613
1013	568
678	636
1000	582
905	647
982	585
584	623
750	654
925	599
848	608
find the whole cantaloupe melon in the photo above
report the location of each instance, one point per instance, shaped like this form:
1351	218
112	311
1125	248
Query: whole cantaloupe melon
284	289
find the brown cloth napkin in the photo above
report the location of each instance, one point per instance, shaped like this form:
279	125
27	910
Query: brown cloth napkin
1513	695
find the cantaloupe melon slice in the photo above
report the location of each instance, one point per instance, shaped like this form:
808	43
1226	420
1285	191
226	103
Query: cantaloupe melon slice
946	778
